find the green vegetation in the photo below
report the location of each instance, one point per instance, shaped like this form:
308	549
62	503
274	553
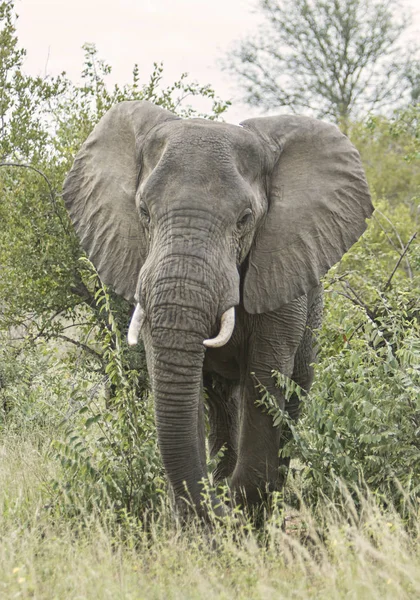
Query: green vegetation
84	509
43	555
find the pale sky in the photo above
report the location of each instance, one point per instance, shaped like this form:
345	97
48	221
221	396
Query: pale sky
186	35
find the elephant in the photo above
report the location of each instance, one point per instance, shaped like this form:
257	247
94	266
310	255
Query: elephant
218	235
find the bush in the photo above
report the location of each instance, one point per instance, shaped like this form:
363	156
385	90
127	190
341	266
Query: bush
109	453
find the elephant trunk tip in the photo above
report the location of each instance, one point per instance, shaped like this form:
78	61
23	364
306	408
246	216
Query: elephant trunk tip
227	326
135	326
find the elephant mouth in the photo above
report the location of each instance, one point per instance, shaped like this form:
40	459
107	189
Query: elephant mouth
227	325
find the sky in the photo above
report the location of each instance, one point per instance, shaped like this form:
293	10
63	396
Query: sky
186	35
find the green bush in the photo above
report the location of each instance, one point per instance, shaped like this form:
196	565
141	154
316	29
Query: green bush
108	452
361	423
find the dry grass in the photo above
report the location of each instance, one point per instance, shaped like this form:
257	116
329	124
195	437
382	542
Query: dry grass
44	555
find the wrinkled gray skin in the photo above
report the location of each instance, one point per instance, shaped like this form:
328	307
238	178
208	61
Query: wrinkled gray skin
189	218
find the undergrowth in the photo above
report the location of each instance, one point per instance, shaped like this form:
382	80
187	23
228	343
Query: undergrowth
339	550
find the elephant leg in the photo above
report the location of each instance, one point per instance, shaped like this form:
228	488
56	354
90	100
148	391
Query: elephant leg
222	401
303	372
274	341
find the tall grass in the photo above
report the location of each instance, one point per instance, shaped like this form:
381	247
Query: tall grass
333	551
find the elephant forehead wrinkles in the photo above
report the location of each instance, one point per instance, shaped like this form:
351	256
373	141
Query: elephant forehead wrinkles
201	147
202	165
174	185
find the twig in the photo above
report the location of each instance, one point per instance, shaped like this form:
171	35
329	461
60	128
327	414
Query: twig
76	325
356	329
356	303
335	279
390	240
388	283
394	229
48	322
357	300
88	349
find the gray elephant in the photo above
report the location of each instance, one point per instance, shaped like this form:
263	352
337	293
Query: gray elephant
219	234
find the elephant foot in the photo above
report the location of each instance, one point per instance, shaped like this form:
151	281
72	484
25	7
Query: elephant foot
225	468
208	509
254	496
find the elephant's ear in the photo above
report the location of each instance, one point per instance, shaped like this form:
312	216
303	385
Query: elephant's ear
100	192
318	202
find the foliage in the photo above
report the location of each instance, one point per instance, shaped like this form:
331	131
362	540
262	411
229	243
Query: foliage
361	424
109	452
101	426
22	98
34	389
335	59
390	151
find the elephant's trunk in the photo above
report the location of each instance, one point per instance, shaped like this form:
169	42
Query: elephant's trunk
177	387
181	307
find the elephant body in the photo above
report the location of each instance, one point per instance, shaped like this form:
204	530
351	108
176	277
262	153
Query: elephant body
259	345
195	221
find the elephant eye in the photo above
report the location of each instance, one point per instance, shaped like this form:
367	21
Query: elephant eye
245	218
144	212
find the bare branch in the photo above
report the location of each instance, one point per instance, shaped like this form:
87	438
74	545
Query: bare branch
334	58
388	283
84	347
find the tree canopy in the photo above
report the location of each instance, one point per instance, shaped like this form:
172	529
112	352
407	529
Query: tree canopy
337	59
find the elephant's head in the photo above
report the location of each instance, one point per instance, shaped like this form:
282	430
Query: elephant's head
190	218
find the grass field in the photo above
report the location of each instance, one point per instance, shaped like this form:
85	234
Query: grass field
46	555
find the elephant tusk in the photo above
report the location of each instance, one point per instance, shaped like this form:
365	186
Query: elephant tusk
227	326
135	326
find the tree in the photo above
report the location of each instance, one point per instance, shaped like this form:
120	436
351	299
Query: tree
335	58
